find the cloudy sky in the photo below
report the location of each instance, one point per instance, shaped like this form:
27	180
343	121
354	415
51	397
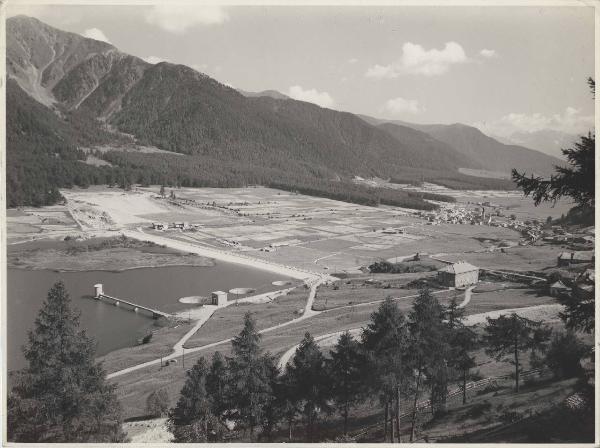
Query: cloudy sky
503	69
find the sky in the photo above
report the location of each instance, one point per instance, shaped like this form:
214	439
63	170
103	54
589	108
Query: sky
502	69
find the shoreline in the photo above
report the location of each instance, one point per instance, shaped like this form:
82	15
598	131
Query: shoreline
217	254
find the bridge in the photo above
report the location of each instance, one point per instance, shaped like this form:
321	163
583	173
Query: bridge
99	295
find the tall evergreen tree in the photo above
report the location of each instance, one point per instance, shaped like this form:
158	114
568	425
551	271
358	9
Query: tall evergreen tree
62	395
287	402
310	382
384	341
428	346
249	383
271	410
191	420
462	341
345	373
512	334
216	383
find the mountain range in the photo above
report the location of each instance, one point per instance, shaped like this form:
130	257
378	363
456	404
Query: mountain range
83	94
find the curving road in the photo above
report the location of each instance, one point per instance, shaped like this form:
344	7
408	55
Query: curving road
210	309
287	356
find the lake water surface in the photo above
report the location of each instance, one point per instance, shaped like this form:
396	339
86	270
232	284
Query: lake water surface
114	327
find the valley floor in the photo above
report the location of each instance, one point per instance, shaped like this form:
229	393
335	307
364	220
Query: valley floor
322	242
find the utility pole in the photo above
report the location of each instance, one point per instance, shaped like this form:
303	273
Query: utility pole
183	357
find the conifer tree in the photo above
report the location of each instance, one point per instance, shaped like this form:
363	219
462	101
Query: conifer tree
384	342
216	383
345	371
191	420
310	382
271	410
428	345
462	341
62	395
249	383
286	401
512	334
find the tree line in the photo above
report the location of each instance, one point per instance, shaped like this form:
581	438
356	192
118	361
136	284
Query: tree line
397	361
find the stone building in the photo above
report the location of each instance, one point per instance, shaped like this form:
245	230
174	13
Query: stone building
459	274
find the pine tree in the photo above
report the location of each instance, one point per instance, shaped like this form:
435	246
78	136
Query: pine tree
310	382
384	342
62	395
510	335
345	373
576	181
271	410
216	384
162	191
428	346
286	401
462	341
249	384
191	420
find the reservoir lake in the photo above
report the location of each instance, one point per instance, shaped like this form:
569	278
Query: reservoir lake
113	327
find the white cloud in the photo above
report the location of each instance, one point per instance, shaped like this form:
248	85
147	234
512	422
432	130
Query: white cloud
352	61
400	106
415	60
488	54
177	18
571	121
95	33
154	59
322	99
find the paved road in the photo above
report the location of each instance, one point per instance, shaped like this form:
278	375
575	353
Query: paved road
287	356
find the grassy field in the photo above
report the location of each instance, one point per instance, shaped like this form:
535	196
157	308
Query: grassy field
226	322
161	344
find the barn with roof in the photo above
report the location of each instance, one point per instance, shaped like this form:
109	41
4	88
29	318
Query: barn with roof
458	274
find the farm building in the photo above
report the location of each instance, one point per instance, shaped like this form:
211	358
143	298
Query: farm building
180	225
459	274
159	225
569	258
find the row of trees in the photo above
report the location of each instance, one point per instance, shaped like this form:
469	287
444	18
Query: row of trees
398	360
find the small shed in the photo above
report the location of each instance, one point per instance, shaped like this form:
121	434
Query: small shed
219	298
557	288
459	274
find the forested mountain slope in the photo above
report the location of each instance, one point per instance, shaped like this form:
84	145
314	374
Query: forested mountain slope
84	93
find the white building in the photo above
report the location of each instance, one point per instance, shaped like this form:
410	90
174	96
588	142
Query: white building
459	274
219	298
